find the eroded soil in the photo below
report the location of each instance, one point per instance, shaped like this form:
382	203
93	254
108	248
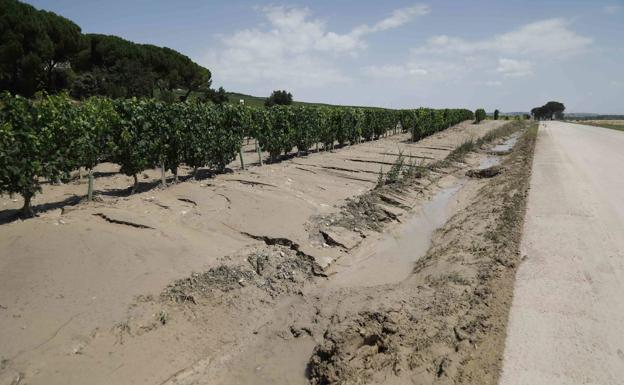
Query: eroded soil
289	283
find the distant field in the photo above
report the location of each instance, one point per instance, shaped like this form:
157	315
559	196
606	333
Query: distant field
258	101
613	124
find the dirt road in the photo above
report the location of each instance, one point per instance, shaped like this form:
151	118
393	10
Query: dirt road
567	314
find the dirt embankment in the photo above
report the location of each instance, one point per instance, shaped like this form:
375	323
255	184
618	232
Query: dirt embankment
446	323
100	286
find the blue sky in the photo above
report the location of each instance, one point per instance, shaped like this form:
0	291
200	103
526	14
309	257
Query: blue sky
511	55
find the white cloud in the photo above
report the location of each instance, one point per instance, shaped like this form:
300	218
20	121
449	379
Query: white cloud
612	9
445	59
394	71
295	49
514	68
401	16
546	37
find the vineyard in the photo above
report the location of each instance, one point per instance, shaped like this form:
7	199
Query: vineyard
51	136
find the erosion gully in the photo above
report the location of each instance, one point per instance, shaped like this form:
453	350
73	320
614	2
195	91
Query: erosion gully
387	259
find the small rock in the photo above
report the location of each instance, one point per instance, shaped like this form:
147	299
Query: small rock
485	172
390	328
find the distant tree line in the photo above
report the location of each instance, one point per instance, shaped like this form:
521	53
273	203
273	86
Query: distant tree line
41	51
549	111
279	97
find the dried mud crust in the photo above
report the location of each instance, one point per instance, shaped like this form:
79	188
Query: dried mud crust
264	273
445	324
274	269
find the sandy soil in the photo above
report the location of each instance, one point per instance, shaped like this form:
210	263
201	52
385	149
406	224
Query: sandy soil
567	313
103	293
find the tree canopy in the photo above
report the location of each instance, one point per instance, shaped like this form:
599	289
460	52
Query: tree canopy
479	115
217	96
35	48
549	111
279	97
40	50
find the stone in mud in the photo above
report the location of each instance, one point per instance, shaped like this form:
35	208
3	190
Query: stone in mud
392	211
300	330
339	236
485	172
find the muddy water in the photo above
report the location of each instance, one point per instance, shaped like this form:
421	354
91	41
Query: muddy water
507	144
489	161
393	258
494	160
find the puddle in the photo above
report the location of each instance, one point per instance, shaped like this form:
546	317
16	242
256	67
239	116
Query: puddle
393	258
281	362
488	161
493	160
507	145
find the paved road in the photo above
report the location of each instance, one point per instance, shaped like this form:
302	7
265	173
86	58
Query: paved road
567	318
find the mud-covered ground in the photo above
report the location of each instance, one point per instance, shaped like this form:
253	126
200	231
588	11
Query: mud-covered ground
445	323
306	271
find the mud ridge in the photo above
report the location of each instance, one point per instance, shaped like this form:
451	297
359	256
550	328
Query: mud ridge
276	270
294	246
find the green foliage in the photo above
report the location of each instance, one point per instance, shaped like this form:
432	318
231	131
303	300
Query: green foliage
35	143
132	148
22	154
496	114
40	50
199	124
227	136
115	67
35	47
306	121
479	115
94	122
50	136
279	138
549	111
394	174
279	97
217	96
